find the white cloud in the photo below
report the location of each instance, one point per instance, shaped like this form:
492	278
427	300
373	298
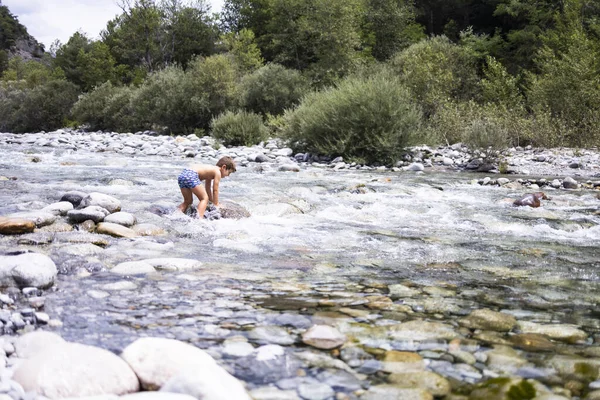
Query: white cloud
47	20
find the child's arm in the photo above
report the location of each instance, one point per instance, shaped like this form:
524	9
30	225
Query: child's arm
215	189
207	184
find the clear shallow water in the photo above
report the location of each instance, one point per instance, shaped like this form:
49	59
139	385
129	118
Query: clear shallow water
311	234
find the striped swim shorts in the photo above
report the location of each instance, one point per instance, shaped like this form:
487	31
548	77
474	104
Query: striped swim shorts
188	179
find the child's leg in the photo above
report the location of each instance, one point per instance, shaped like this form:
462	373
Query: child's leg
200	192
187	199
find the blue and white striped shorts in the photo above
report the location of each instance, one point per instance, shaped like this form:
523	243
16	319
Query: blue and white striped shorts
188	179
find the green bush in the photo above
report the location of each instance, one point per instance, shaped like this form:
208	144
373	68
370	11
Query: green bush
366	119
436	71
239	128
107	107
45	107
271	89
495	126
166	99
213	81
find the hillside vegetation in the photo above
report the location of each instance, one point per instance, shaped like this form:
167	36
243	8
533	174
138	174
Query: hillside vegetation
356	78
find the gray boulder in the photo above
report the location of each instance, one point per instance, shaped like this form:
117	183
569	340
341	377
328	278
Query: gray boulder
102	200
27	270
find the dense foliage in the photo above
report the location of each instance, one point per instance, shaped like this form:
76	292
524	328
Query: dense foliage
358	78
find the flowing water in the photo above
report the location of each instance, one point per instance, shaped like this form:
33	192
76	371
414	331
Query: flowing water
318	240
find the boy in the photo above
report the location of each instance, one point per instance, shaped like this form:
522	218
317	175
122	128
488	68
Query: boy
190	182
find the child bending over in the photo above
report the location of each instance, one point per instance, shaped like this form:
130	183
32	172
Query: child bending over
190	182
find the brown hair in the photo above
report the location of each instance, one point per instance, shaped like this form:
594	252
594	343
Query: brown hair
227	162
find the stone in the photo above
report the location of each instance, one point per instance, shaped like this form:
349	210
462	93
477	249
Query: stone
401	361
489	320
157	360
426	380
115	230
315	391
121	218
156	396
156	264
73	197
92	213
271	335
101	200
267	364
401	291
504	388
148	230
416	167
33	343
564	332
75	370
421	330
323	337
210	382
272	393
232	210
570	183
391	392
39	218
60	208
27	270
15	226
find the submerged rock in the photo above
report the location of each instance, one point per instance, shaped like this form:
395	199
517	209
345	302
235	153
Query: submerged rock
15	226
27	270
156	264
489	320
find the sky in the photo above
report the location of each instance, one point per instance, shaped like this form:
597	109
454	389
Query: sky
47	20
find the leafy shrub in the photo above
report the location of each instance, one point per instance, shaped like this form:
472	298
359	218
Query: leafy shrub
166	99
107	107
239	128
437	70
366	119
44	107
213	81
494	126
272	89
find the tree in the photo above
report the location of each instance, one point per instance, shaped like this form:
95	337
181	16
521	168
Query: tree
67	57
390	27
96	65
135	37
244	49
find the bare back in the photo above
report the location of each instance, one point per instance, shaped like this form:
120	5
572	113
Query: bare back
206	172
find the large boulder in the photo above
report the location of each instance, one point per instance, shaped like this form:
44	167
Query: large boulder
75	370
178	367
27	270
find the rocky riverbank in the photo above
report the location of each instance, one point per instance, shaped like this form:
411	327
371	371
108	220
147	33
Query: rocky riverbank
100	299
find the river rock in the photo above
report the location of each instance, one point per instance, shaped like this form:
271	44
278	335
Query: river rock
210	382
323	337
152	396
271	335
60	208
402	361
27	270
489	320
391	392
504	359
232	210
115	230
581	368
421	330
92	213
564	332
121	218
570	183
506	388
39	218
101	200
156	360
401	291
75	370
74	197
426	380
156	264
272	393
15	226
148	230
32	343
267	364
